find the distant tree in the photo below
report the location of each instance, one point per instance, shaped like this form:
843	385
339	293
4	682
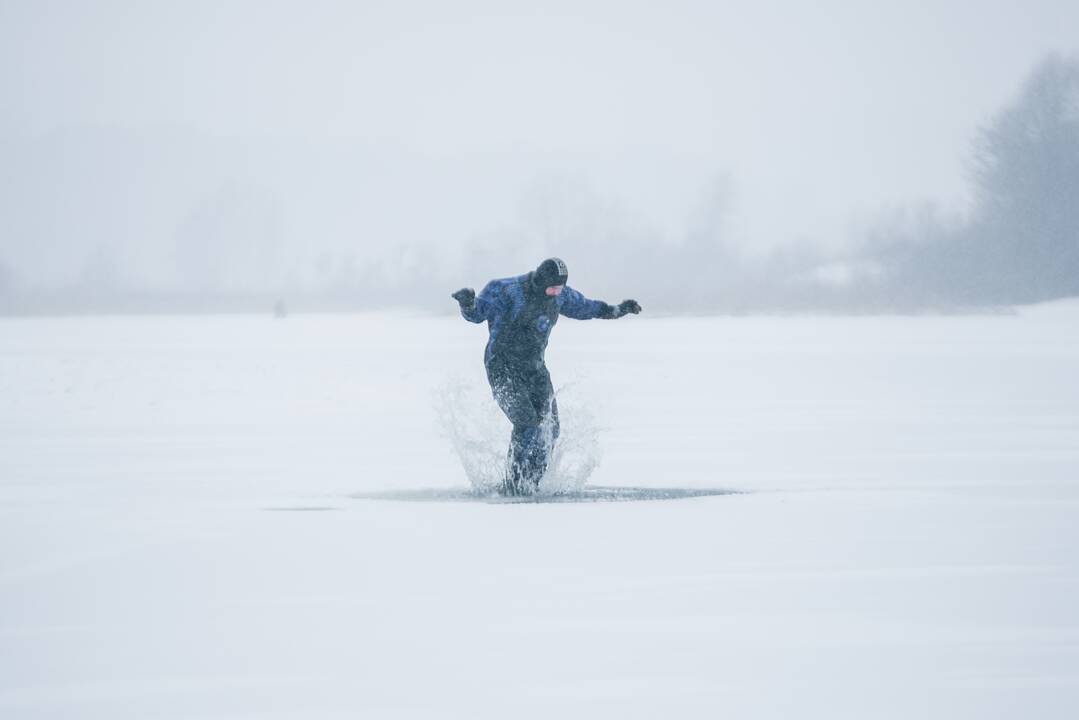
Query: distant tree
922	257
1024	234
1020	242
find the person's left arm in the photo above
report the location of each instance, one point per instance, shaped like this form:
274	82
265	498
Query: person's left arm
577	306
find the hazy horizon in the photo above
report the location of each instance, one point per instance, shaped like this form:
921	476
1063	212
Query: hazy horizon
240	147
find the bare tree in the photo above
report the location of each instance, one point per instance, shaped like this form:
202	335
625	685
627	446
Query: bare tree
1025	229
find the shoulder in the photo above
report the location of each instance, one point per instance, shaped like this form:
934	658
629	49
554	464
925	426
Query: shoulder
496	286
514	286
568	294
501	290
506	281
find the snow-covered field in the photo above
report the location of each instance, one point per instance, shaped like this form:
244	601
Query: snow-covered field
193	521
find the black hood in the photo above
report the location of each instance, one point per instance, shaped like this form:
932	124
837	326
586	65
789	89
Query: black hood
550	272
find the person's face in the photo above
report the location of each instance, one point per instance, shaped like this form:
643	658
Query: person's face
554	290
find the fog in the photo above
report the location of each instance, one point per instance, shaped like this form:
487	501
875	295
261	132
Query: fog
830	471
700	157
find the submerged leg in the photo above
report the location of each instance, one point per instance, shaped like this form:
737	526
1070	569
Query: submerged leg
528	401
547	409
527	460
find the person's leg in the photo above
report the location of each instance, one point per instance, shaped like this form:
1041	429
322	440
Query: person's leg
527	460
512	393
552	413
539	440
555	427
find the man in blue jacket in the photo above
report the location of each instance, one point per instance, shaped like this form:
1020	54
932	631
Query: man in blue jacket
520	312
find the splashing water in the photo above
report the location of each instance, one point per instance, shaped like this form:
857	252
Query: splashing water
480	435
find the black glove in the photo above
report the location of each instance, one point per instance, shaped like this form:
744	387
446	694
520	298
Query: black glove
465	297
610	312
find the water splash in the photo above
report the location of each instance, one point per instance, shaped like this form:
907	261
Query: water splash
480	434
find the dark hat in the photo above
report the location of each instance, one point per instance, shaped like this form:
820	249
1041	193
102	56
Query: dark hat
551	271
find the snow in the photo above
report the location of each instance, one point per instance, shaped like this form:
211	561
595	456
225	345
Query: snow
221	517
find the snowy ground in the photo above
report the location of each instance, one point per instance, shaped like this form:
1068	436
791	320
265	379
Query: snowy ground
188	525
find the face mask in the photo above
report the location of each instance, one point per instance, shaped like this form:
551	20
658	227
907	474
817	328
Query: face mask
554	290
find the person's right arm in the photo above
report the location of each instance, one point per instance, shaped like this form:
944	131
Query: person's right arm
476	309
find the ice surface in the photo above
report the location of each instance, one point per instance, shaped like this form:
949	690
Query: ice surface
194	521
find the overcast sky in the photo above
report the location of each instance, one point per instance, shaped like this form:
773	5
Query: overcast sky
818	114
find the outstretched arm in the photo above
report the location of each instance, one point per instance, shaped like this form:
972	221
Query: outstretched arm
577	306
476	309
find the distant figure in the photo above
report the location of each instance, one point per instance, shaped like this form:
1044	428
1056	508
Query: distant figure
279	309
520	312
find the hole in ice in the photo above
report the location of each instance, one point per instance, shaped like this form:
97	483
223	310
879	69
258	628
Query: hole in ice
582	495
480	433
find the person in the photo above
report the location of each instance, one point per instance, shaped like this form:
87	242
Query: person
520	313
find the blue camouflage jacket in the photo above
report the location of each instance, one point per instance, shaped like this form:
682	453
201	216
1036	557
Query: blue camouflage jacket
519	318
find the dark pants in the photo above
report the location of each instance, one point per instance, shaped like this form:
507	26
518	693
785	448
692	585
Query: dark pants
526	396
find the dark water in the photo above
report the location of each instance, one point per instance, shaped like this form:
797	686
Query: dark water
584	495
